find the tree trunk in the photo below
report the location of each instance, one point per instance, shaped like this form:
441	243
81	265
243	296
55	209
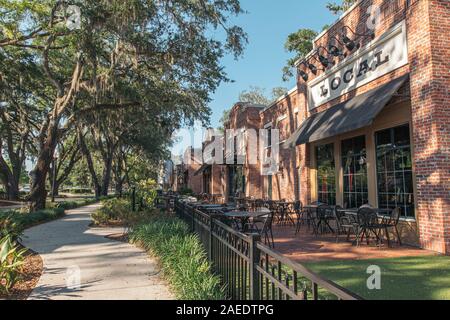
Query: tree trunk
13	192
55	188
119	188
9	180
11	188
87	155
50	180
38	194
107	175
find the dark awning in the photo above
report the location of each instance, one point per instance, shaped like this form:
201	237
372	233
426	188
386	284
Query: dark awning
202	169
350	115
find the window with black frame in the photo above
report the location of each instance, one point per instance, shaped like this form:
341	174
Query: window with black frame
354	163
326	174
394	170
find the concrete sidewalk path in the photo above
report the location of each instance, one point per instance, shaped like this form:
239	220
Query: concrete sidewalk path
81	264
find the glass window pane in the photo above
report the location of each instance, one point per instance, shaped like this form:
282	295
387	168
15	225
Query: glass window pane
347	146
401	136
389	161
409	183
399	159
407	160
348	165
355	171
394	170
383	139
326	177
399	183
390	183
359	145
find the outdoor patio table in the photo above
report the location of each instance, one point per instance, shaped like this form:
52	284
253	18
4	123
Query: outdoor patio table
244	216
220	209
312	212
382	213
207	206
251	203
311	206
284	216
310	209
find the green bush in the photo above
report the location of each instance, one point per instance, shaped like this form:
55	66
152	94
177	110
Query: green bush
112	210
182	256
186	192
78	190
119	210
146	193
11	261
16	222
68	205
100	217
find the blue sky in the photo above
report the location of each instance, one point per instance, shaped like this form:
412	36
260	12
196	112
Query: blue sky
267	23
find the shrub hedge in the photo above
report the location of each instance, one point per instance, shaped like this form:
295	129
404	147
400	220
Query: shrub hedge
112	210
182	257
68	205
78	190
16	221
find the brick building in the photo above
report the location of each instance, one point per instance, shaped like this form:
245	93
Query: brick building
368	121
185	177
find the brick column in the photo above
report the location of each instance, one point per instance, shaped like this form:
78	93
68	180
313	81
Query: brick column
429	50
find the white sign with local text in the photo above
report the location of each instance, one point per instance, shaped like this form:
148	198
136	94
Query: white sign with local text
378	58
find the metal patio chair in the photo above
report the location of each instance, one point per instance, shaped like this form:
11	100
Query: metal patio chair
302	216
263	227
325	214
344	223
392	222
368	224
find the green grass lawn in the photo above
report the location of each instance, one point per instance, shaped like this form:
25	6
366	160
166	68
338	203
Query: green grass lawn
409	278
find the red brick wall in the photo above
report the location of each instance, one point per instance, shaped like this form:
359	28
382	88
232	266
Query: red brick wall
392	12
248	117
428	30
195	182
192	163
218	182
285	183
429	45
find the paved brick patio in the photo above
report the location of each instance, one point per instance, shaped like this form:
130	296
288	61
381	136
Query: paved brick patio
305	247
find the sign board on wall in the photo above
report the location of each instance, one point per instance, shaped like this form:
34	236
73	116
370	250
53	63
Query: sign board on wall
383	55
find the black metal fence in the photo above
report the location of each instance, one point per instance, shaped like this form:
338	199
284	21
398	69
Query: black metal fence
252	271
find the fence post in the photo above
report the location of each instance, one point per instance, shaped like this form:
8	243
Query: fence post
255	255
133	199
315	291
211	225
193	219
